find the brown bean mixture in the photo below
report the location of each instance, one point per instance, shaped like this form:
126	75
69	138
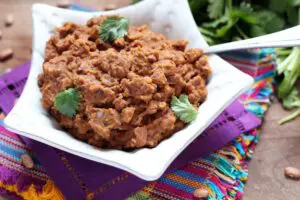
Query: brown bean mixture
125	86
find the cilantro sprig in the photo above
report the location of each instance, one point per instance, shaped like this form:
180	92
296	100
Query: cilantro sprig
292	101
113	27
67	102
183	109
229	20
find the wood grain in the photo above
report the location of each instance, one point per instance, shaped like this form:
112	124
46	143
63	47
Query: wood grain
279	146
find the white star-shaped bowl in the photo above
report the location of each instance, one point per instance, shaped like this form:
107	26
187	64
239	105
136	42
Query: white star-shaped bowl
173	18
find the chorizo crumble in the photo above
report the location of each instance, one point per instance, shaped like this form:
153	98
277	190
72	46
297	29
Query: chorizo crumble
125	85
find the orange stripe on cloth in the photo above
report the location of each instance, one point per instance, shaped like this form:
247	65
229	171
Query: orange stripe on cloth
188	182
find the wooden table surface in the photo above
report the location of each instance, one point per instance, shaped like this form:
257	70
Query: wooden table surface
279	145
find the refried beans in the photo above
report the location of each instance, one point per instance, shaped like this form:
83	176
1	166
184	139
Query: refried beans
125	85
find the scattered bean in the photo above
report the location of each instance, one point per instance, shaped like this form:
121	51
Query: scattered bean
110	7
2	115
6	53
27	161
63	4
201	193
292	173
9	20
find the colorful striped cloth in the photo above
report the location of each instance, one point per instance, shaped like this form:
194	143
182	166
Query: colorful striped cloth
223	173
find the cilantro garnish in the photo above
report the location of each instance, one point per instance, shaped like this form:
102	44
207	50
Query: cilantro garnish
183	109
215	8
113	28
67	102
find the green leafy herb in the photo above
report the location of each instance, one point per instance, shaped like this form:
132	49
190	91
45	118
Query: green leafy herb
67	102
196	5
113	27
293	100
278	6
269	21
290	102
230	20
215	8
183	109
290	117
290	68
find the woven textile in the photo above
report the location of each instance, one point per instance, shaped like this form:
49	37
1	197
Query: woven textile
223	173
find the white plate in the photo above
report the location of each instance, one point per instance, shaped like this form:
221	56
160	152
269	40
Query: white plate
170	17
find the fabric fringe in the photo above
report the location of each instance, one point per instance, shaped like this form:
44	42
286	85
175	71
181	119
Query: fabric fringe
49	191
224	172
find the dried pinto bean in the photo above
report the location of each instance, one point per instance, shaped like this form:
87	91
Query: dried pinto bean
63	4
9	20
201	193
6	53
27	161
292	173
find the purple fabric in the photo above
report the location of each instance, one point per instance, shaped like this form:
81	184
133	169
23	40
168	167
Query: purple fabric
9	195
11	86
76	176
95	174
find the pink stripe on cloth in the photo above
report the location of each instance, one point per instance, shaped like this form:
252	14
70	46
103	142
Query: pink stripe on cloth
9	133
197	171
257	89
251	69
173	190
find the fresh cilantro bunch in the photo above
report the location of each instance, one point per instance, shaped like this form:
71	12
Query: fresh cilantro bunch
183	109
229	20
289	71
67	102
292	101
113	27
222	21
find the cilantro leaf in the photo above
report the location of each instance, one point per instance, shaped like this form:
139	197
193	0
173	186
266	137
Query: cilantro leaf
256	31
292	100
67	102
196	5
215	8
294	2
269	20
278	6
113	28
290	117
292	15
244	13
290	67
183	109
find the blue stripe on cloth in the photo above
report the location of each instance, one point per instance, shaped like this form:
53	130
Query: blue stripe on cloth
265	75
244	55
176	185
10	151
188	175
196	178
16	153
